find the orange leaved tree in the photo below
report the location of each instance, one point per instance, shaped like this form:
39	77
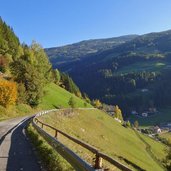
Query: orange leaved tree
8	93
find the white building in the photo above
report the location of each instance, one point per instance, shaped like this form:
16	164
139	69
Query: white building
144	114
134	112
157	130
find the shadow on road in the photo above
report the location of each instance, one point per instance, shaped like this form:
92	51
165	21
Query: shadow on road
21	155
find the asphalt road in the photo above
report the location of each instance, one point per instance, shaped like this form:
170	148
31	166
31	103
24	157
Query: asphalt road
16	153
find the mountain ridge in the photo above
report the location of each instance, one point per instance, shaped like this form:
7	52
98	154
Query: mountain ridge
76	51
116	75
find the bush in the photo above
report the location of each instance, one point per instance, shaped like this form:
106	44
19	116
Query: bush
127	124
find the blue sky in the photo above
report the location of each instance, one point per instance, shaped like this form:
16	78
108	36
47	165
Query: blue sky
59	22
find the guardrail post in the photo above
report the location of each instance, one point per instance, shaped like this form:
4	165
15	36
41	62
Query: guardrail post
56	134
98	161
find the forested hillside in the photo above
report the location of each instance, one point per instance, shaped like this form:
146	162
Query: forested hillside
61	56
119	75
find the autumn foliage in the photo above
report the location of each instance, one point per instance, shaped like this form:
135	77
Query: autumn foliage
8	93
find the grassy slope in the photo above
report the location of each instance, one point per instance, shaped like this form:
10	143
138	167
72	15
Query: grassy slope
109	136
15	111
166	135
56	96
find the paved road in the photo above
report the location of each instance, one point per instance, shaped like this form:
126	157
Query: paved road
16	153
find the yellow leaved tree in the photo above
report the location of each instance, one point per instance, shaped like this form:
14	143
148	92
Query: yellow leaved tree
96	103
8	93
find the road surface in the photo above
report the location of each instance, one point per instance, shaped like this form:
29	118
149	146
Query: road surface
16	153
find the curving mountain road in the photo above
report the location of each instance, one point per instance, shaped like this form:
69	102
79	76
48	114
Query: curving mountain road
16	153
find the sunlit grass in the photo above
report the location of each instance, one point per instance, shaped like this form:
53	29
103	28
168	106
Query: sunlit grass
56	96
102	131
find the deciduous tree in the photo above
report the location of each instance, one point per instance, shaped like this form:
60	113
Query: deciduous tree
96	103
8	93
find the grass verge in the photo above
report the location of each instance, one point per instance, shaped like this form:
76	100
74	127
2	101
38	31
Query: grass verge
15	111
51	159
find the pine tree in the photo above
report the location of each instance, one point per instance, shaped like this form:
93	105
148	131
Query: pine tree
72	102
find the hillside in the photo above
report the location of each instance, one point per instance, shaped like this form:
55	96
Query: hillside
117	75
102	131
60	56
57	97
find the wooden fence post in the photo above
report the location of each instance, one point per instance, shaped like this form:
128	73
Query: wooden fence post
98	161
56	134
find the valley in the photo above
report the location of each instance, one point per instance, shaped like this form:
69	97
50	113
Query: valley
122	72
111	93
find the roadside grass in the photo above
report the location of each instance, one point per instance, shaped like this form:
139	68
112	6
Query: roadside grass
163	116
57	97
51	160
103	132
15	111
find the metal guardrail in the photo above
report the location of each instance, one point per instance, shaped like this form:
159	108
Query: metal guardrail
77	162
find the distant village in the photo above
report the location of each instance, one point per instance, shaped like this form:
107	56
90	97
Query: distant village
147	113
151	131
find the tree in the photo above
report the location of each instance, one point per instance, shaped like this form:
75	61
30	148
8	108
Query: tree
87	99
3	63
96	103
32	70
31	78
22	94
128	124
118	113
133	83
78	94
72	102
57	76
85	104
8	93
136	124
69	85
